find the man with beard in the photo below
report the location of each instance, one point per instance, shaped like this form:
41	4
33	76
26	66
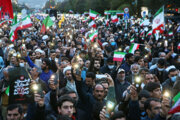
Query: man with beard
95	66
120	84
32	55
127	64
135	71
70	83
89	100
46	70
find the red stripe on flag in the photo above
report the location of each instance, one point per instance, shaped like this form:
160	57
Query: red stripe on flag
92	17
43	29
118	59
174	110
115	20
137	46
94	26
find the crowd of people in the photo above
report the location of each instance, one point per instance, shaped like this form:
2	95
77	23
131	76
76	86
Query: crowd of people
75	78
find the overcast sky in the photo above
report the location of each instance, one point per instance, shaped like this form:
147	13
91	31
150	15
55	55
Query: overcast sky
33	3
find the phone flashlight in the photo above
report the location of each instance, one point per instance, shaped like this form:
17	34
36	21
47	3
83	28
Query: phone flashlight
18	55
35	87
166	94
109	107
146	56
76	66
95	46
138	80
52	44
165	43
137	83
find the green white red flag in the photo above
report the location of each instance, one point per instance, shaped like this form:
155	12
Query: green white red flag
47	22
93	14
107	22
92	24
170	33
142	32
149	33
158	21
22	24
7	91
118	56
114	18
93	35
132	40
176	106
134	46
3	22
179	46
85	20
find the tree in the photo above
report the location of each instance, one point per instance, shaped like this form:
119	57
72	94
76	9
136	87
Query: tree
16	8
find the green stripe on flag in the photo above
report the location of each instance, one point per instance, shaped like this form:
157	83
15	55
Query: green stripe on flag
159	11
94	12
122	53
176	98
7	91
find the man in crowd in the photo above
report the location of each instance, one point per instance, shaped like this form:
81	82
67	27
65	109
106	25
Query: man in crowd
114	62
14	112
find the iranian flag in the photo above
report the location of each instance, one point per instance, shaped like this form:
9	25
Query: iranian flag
10	21
107	22
93	35
134	46
7	91
85	20
71	12
93	14
47	22
158	21
132	40
114	18
179	46
176	106
22	24
92	24
142	32
170	33
149	33
3	22
118	56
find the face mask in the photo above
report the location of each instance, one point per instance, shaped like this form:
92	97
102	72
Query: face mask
160	69
110	66
173	79
21	64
